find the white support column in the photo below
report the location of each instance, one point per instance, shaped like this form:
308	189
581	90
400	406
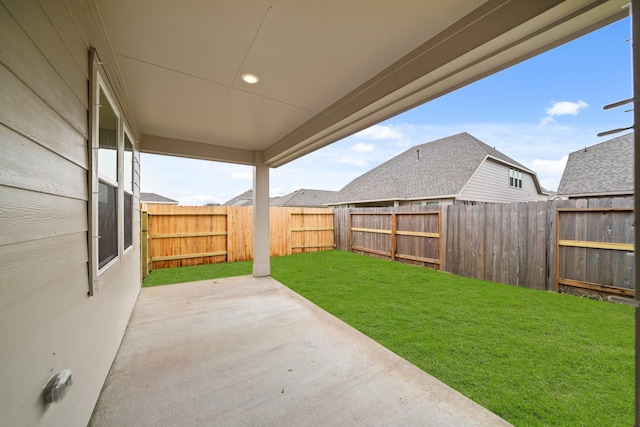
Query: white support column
261	247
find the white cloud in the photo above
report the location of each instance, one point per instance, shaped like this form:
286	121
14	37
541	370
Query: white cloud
379	132
566	107
362	148
353	161
277	192
196	199
563	108
549	171
550	167
242	176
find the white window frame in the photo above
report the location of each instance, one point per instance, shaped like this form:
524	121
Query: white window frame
515	178
98	83
128	188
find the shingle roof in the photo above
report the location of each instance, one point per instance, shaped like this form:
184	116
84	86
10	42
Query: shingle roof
156	198
305	197
437	168
243	199
603	168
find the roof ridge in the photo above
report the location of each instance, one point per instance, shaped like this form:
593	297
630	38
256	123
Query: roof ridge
608	141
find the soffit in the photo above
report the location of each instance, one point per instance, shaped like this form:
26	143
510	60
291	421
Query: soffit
327	69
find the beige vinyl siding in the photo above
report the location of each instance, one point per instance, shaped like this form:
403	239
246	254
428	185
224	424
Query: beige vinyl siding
490	183
47	320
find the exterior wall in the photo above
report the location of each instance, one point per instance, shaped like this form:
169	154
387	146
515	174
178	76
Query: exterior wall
490	183
47	320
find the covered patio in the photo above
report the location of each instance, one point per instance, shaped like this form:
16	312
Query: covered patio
88	85
264	82
249	351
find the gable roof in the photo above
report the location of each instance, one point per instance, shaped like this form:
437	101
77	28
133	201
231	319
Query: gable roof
157	199
436	169
242	199
305	197
602	169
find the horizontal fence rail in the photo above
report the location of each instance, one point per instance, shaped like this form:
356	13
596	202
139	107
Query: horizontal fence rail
408	236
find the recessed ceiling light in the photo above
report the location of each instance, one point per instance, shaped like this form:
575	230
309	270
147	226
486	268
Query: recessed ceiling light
250	78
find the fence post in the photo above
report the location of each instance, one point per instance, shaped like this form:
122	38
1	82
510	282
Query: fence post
350	231
557	250
440	239
394	230
144	241
226	230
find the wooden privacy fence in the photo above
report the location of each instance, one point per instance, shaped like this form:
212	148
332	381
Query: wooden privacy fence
594	249
504	243
582	246
176	236
411	236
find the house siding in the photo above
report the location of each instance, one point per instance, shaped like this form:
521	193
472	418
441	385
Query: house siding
490	183
47	320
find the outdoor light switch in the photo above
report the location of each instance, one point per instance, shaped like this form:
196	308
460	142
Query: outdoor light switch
58	386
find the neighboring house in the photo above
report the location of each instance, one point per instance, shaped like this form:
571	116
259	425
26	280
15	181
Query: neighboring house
602	170
456	169
298	198
243	199
305	198
156	199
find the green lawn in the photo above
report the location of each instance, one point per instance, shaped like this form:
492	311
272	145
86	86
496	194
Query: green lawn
167	276
534	358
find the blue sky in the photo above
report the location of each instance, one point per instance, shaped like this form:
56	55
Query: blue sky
536	112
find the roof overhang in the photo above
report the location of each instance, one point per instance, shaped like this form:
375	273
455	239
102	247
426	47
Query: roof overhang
326	72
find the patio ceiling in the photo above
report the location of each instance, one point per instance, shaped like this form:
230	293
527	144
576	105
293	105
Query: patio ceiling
327	68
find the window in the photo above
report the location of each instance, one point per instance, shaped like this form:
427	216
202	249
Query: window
107	182
107	223
112	163
515	178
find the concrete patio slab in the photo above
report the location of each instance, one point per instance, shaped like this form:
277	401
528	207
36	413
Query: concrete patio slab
247	351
